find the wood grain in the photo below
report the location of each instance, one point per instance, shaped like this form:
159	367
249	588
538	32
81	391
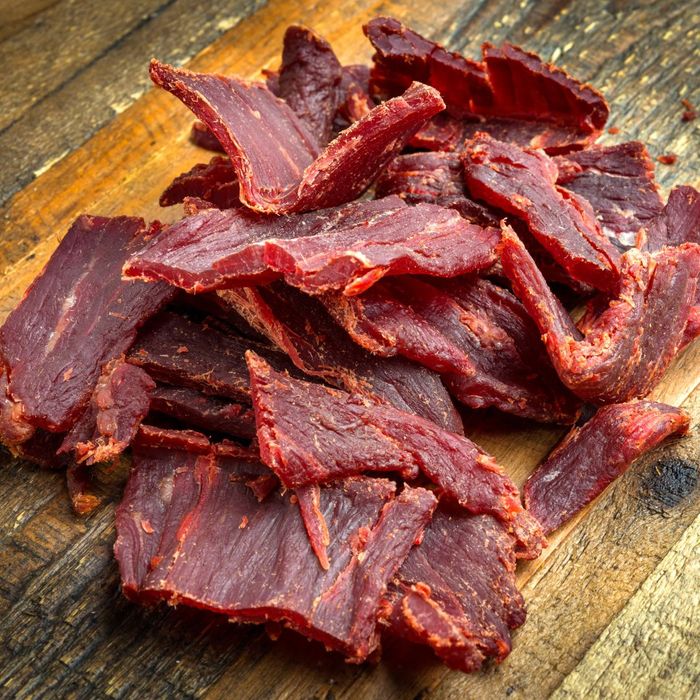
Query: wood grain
66	630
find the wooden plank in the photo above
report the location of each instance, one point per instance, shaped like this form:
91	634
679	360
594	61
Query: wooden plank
658	631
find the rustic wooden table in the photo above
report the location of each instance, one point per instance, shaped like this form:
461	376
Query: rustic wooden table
614	606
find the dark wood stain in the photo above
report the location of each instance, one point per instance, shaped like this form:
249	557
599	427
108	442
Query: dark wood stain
669	481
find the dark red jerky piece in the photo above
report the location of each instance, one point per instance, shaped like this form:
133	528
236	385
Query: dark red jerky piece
14	430
354	99
81	490
625	351
618	181
313	434
433	178
302	328
187	440
443	133
205	181
277	162
590	458
523	183
209	413
314	521
177	350
309	81
119	403
679	222
41	449
217	249
201	136
457	591
74	318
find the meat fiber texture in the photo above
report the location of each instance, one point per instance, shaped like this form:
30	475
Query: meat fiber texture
77	316
277	161
214	182
590	458
301	327
175	500
310	434
476	334
620	352
456	593
346	248
510	92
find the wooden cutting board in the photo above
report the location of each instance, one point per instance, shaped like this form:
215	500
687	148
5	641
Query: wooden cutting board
614	604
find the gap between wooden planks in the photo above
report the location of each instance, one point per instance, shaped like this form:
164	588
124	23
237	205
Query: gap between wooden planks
123	170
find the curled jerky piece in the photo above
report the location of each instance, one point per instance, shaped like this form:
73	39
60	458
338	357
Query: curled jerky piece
74	318
590	458
457	593
523	183
312	434
276	160
618	182
214	182
624	351
119	403
476	334
301	327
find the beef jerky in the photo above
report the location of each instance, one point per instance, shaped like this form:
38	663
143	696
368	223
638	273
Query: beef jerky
214	182
591	457
354	99
215	249
624	351
74	318
679	222
443	133
434	178
618	181
177	350
276	160
201	136
309	498
457	591
523	183
41	449
476	334
81	489
119	403
209	413
311	434
309	81
186	440
511	93
301	327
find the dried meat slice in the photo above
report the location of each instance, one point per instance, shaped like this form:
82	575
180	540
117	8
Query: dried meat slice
309	498
618	182
523	183
214	182
218	249
301	327
119	403
679	222
591	457
201	136
81	490
476	334
74	318
309	81
276	160
311	434
443	133
457	591
354	99
624	352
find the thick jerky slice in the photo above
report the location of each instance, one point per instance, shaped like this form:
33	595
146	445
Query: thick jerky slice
177	350
312	434
523	183
618	181
625	351
473	332
457	592
277	162
214	182
679	222
209	413
301	327
201	136
119	403
590	458
74	318
309	80
216	249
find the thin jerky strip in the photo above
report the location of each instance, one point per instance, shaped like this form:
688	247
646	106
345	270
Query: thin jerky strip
312	434
301	327
214	182
523	183
295	177
74	318
590	458
624	352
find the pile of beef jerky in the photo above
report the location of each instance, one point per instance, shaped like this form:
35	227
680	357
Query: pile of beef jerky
374	244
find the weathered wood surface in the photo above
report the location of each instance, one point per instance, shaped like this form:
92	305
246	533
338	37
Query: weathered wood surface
65	629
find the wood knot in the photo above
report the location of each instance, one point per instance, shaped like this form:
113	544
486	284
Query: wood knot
669	481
